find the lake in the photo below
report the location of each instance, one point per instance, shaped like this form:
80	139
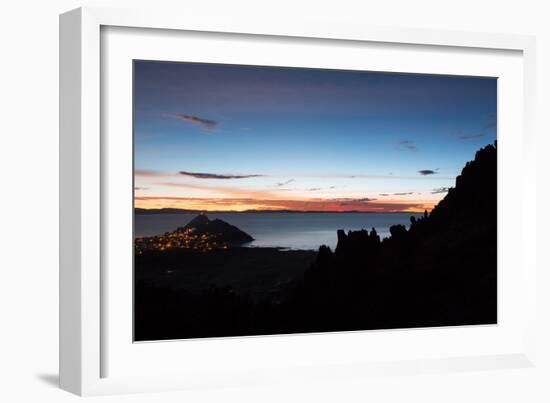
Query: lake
286	230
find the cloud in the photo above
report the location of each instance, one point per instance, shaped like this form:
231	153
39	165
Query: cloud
152	174
222	191
354	202
202	175
315	189
392	176
485	129
198	175
472	136
279	184
425	172
407	145
206	124
396	194
440	190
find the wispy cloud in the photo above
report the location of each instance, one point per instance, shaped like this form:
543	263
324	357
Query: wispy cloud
206	124
203	175
484	129
152	174
312	189
407	145
472	136
279	184
354	202
223	191
440	190
396	194
320	188
392	176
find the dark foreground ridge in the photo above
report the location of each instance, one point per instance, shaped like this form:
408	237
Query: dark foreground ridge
442	271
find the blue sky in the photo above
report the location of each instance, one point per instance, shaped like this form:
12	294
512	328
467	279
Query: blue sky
273	138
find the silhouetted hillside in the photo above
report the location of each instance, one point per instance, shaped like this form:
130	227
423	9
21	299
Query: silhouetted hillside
442	271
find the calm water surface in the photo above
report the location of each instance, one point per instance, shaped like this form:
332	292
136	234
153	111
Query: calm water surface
287	230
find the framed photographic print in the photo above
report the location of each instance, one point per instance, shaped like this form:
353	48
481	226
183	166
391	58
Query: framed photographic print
250	202
273	200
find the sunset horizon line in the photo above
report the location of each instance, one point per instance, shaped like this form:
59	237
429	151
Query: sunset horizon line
282	210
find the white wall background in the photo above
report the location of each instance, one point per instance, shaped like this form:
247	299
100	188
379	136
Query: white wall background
29	201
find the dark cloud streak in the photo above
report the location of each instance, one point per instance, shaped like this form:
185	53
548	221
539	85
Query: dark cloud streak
206	124
279	184
203	175
425	172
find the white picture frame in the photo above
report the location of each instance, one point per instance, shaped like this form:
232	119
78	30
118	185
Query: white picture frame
83	173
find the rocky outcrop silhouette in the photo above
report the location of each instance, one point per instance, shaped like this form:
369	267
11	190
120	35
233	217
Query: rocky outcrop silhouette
217	230
440	271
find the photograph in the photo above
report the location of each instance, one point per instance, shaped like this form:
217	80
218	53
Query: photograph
272	200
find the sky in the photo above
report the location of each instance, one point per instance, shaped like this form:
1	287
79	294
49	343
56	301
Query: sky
216	137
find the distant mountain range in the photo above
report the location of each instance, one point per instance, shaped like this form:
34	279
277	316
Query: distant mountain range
142	211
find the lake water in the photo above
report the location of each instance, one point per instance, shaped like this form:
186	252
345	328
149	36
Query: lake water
287	230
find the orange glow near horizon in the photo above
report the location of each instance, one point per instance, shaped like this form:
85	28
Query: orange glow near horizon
163	190
326	205
160	191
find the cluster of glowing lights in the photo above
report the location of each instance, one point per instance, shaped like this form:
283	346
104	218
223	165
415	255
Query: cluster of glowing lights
179	239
